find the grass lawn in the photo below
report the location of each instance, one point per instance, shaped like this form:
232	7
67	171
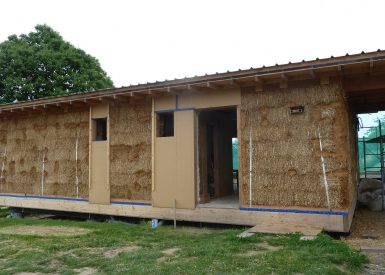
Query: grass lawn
113	248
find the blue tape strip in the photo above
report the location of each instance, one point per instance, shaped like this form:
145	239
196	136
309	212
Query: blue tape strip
184	109
70	199
174	110
132	203
298	211
42	197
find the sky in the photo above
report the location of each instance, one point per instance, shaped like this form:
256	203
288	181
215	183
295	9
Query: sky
144	41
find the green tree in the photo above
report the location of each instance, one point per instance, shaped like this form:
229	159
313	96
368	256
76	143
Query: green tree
42	64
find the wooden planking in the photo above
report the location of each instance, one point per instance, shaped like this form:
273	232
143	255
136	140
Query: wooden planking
175	164
185	155
282	228
212	99
210	215
165	103
165	160
349	219
99	182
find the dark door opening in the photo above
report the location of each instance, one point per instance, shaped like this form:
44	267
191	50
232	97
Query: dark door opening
217	185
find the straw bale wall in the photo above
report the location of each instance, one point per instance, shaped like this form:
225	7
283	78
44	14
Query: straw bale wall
353	155
130	151
286	165
51	137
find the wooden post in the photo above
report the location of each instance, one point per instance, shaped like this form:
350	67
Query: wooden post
174	214
153	144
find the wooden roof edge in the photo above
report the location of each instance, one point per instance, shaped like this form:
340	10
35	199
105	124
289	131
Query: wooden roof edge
304	66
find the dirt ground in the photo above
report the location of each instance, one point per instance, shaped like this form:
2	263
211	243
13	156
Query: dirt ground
41	230
368	235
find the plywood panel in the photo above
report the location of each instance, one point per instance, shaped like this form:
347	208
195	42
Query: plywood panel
99	161
99	188
175	165
165	103
210	99
185	174
99	111
165	172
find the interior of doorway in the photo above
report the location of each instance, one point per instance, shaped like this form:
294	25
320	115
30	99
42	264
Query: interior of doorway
218	158
371	152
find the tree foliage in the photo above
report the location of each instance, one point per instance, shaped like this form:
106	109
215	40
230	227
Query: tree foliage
42	64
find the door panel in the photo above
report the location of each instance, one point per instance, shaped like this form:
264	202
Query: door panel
99	160
175	164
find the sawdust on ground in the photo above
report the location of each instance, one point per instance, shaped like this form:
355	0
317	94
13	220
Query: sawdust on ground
368	235
40	230
368	229
125	249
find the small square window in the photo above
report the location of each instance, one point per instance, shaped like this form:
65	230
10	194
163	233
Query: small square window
99	129
165	125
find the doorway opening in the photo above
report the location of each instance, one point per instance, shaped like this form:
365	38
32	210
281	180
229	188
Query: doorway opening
371	142
218	158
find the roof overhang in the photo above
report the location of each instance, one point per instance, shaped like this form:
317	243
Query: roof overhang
348	68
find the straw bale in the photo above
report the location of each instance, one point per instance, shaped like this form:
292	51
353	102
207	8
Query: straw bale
130	151
286	161
51	136
354	176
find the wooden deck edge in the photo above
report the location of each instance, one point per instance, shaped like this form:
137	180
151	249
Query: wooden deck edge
349	219
328	222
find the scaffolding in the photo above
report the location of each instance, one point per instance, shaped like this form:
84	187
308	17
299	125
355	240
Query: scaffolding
374	171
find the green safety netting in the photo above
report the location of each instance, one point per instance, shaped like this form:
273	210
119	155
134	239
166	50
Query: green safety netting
235	154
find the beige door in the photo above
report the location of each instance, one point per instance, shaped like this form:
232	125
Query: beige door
174	164
99	192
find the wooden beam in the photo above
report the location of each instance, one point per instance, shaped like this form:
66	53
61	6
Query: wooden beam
38	107
150	92
312	73
107	99
211	85
77	103
340	70
26	109
258	79
284	81
371	66
92	101
134	94
121	98
153	93
172	91
191	88
233	83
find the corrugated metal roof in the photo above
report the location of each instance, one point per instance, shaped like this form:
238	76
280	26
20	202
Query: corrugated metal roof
315	64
